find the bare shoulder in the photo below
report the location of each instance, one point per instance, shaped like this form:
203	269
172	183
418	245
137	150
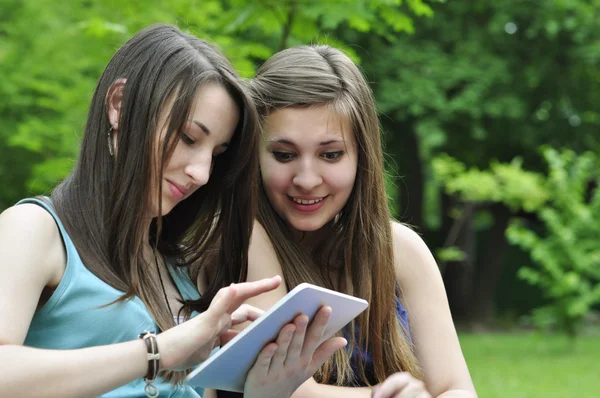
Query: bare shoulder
259	234
406	238
29	237
412	258
264	263
262	258
431	326
31	259
29	222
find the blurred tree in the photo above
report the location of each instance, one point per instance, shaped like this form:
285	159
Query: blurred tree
479	196
52	55
482	81
50	58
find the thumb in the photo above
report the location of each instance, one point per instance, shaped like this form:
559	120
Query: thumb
221	302
227	336
324	351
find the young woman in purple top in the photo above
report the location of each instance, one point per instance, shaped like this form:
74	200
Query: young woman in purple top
323	218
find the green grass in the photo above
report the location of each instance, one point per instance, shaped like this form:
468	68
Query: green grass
529	365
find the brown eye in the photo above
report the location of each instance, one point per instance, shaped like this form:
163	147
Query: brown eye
283	156
331	156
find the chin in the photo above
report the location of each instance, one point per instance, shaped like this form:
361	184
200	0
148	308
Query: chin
165	209
304	226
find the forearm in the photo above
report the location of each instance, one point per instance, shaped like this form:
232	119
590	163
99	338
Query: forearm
87	372
458	394
312	389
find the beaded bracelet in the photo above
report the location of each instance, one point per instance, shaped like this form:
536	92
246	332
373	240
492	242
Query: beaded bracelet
153	365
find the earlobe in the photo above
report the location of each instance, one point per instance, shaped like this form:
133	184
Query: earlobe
114	99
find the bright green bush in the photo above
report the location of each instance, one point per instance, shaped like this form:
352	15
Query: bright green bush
566	251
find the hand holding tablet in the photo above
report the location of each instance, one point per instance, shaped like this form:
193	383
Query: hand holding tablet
282	366
229	367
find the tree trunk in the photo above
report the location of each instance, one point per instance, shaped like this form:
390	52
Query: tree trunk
490	268
402	145
458	275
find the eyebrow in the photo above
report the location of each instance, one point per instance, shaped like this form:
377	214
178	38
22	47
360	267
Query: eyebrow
288	142
202	127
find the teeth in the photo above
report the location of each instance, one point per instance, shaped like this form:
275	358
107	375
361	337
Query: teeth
306	202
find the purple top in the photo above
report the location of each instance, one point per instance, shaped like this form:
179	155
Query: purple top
359	354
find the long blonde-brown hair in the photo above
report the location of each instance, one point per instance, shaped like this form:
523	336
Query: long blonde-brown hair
360	250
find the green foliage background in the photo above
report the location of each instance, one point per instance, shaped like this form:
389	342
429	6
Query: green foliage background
469	93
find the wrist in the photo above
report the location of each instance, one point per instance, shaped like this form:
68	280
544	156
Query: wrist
153	363
165	348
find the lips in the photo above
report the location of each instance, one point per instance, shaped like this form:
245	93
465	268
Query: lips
177	190
307	204
307	201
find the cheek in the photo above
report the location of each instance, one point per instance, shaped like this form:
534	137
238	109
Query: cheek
274	177
342	177
179	153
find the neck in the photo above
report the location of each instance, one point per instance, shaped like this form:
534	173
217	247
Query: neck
311	239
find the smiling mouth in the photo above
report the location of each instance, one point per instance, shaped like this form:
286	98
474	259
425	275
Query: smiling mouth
305	201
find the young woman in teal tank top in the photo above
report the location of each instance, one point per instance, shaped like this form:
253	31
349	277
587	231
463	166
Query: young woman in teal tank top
113	252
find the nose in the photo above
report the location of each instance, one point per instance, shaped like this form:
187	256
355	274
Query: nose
307	176
199	169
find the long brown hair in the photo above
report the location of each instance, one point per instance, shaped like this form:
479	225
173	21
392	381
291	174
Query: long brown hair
361	247
104	201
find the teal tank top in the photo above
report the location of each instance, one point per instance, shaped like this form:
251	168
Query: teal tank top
74	316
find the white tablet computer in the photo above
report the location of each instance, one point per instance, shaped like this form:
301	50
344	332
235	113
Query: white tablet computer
227	368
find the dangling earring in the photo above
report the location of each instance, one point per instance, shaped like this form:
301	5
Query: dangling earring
110	143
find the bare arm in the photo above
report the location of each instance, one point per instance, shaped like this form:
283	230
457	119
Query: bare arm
458	394
313	389
88	372
431	325
263	263
31	258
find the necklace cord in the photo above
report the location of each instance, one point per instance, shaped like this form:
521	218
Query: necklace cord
162	285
